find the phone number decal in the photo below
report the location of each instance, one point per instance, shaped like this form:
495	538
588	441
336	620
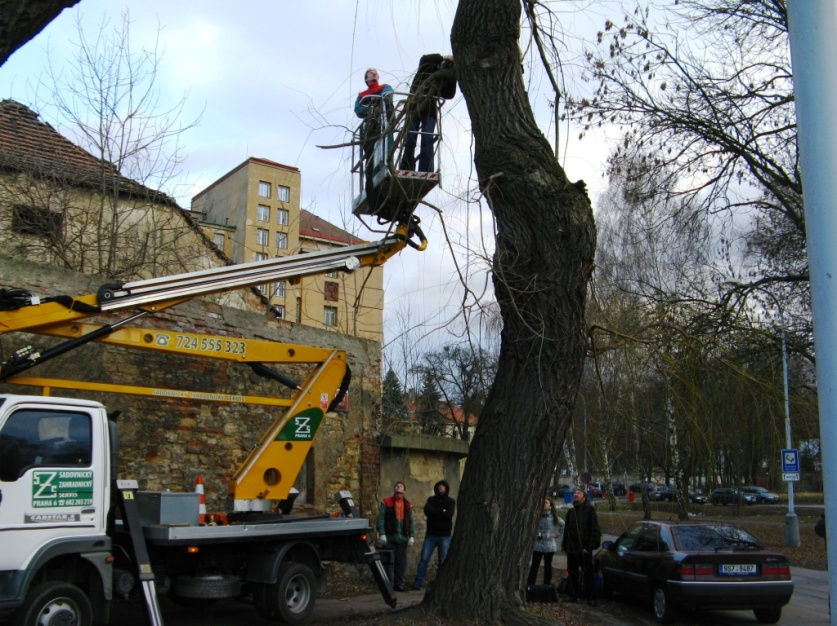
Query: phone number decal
211	344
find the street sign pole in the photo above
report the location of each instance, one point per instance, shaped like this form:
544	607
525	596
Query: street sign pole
790	473
791	520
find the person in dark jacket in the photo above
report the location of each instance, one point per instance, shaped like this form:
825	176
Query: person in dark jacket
395	532
819	527
435	78
581	536
439	510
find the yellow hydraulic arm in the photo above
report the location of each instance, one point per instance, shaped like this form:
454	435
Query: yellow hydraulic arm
271	468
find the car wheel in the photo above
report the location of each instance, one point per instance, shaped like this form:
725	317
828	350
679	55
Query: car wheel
769	615
291	598
55	602
663	608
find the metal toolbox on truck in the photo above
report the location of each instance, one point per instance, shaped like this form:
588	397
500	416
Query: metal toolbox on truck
164	508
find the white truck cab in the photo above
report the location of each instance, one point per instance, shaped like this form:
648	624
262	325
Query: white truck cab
54	494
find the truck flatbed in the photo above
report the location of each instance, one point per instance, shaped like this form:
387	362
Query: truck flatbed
297	527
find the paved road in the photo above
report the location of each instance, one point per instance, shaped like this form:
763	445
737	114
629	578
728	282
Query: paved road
808	607
233	613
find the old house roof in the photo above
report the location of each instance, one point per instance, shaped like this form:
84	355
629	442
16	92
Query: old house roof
29	145
314	227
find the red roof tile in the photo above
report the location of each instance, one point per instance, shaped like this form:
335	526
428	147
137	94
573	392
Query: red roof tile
317	228
30	145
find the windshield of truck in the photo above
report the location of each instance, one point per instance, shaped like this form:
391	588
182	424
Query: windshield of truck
36	438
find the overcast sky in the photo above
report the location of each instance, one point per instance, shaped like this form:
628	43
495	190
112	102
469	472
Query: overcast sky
276	79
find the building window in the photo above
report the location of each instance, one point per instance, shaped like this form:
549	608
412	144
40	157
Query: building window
262	235
283	194
282	217
261	289
331	274
330	315
218	240
331	291
298	310
261	256
279	289
278	311
28	220
282	241
263	213
264	189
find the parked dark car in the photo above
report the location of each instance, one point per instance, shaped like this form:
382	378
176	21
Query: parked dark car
728	495
661	493
763	496
638	487
696	497
618	489
696	566
558	491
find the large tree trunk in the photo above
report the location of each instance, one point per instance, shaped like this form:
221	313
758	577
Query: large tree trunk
543	259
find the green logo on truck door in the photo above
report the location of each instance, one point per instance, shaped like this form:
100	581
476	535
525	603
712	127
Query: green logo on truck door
302	426
54	488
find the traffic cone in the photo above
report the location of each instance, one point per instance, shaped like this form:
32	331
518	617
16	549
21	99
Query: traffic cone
201	500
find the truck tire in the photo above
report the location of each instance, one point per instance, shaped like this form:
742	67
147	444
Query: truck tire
54	603
291	598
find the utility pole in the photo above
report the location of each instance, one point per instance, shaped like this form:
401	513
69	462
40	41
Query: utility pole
812	25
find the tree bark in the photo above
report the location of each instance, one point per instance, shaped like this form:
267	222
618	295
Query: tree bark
21	20
544	256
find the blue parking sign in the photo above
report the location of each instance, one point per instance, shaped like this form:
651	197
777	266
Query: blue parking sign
790	460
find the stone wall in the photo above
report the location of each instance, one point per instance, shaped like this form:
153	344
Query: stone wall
166	443
420	461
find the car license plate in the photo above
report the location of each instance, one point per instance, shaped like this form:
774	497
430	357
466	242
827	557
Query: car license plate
737	569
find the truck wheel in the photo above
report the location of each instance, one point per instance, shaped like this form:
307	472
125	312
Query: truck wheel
291	598
54	603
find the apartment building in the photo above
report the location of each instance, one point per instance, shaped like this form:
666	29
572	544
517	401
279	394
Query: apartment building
253	213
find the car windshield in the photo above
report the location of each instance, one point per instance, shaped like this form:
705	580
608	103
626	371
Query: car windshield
704	537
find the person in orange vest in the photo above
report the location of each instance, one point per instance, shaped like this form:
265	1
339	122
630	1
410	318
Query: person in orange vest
395	532
374	106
